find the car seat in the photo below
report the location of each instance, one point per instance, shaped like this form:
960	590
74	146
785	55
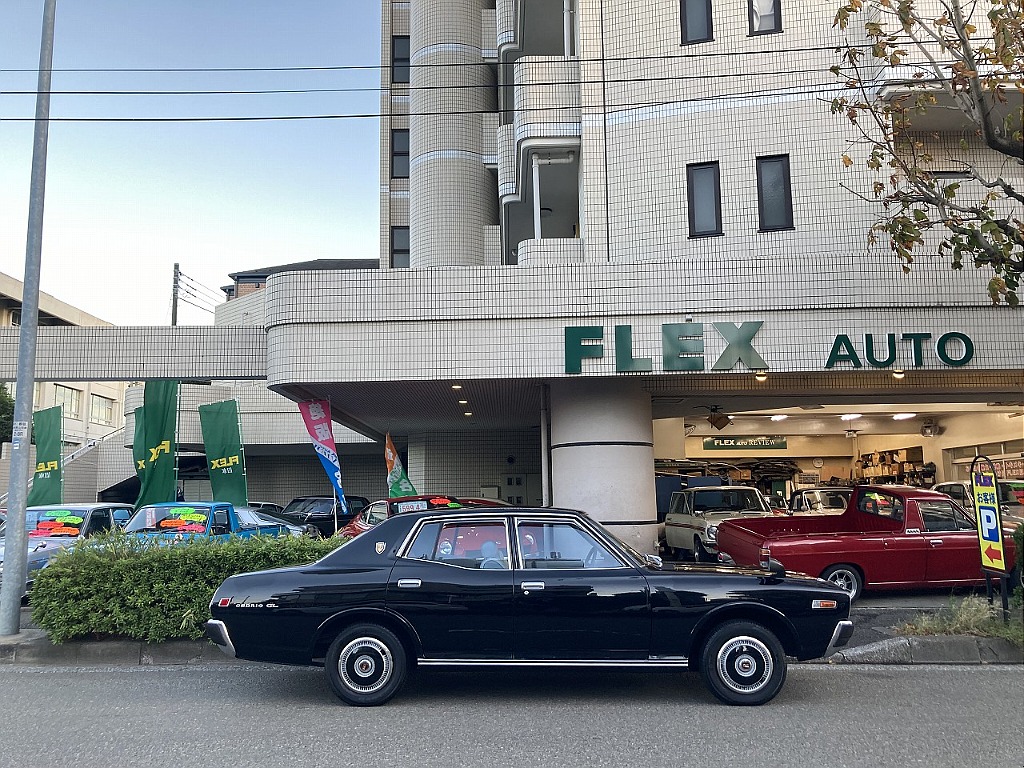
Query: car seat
490	555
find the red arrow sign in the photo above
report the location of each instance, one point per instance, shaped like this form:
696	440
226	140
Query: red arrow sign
993	554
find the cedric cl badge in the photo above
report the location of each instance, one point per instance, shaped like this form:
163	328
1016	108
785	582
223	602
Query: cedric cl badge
380	547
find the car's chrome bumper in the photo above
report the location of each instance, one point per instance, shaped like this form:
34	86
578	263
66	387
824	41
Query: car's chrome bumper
217	631
841	636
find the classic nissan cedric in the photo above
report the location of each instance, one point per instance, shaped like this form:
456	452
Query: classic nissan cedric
516	587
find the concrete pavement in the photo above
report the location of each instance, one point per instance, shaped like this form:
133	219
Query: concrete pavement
875	641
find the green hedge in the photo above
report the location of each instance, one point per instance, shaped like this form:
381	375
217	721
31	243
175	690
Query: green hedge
123	586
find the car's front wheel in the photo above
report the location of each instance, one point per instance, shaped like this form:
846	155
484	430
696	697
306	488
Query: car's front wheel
700	552
366	665
743	663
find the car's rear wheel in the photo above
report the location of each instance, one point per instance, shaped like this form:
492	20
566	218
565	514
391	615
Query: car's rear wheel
845	576
366	665
743	663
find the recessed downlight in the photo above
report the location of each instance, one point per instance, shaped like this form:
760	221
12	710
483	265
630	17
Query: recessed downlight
903	416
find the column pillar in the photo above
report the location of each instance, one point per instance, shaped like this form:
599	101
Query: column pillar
451	198
602	456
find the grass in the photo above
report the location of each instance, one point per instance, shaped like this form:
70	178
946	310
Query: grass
971	616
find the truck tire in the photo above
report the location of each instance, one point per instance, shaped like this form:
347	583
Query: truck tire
845	576
366	665
743	663
700	552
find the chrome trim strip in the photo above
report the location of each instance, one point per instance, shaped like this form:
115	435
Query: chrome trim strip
840	637
667	661
217	631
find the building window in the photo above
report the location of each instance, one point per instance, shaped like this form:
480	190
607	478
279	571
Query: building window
704	199
400	154
70	399
400	247
765	16
101	410
400	59
774	196
695	17
16	317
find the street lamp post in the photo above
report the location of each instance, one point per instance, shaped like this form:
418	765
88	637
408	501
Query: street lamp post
16	549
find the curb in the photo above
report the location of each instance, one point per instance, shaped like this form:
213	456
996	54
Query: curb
935	649
32	646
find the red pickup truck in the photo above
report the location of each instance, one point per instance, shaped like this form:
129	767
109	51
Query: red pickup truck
889	537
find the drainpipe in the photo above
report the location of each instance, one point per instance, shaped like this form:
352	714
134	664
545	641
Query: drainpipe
545	447
567	27
537	162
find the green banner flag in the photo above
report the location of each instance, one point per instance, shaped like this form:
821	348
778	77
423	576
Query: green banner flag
48	480
224	454
154	447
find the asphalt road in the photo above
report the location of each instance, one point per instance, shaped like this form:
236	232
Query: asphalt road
255	715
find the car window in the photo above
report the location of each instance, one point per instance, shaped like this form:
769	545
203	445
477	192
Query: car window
376	513
466	544
1011	492
882	505
99	521
183	519
943	516
121	517
562	545
730	500
954	490
53	521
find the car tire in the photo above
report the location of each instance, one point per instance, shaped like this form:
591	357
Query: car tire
366	665
743	663
845	576
700	552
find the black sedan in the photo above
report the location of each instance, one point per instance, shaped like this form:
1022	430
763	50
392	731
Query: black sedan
523	587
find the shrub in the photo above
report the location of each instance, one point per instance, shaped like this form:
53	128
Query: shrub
124	586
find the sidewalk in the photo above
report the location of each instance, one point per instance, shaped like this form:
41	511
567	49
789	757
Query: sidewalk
874	641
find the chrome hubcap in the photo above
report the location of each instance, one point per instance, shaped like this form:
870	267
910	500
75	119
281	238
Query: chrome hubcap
745	664
365	665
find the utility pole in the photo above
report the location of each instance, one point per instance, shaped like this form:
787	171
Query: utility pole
174	294
16	549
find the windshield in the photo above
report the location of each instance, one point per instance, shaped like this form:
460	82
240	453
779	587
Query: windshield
728	500
314	506
169	520
53	521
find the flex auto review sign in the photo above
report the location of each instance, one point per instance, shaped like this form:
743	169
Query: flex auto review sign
683	348
775	443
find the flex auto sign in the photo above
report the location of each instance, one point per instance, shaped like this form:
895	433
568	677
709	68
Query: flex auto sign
683	347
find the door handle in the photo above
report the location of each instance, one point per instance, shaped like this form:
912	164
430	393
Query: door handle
409	583
935	542
528	585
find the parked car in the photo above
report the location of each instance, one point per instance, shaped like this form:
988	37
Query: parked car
694	514
275	518
323	512
889	537
517	587
52	528
180	520
379	511
819	501
266	506
1011	498
254	518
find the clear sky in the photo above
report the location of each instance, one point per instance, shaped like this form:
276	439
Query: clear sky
126	200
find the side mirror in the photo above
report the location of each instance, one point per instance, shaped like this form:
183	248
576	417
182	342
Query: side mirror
653	561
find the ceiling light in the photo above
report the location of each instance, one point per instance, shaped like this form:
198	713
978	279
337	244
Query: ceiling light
850	416
463	402
468	413
903	416
779	417
456	386
897	373
761	374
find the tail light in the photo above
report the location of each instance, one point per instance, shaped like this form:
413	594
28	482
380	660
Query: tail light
766	557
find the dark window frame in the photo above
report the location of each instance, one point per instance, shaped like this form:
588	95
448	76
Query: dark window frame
788	224
690	199
399	251
395	154
750	20
400	64
686	39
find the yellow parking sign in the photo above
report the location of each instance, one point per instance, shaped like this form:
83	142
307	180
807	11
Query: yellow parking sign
989	521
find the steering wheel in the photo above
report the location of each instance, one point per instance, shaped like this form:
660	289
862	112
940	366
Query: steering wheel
492	562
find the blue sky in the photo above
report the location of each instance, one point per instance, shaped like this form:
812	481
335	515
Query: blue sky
126	200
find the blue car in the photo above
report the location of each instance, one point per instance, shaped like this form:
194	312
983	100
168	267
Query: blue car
180	520
53	528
